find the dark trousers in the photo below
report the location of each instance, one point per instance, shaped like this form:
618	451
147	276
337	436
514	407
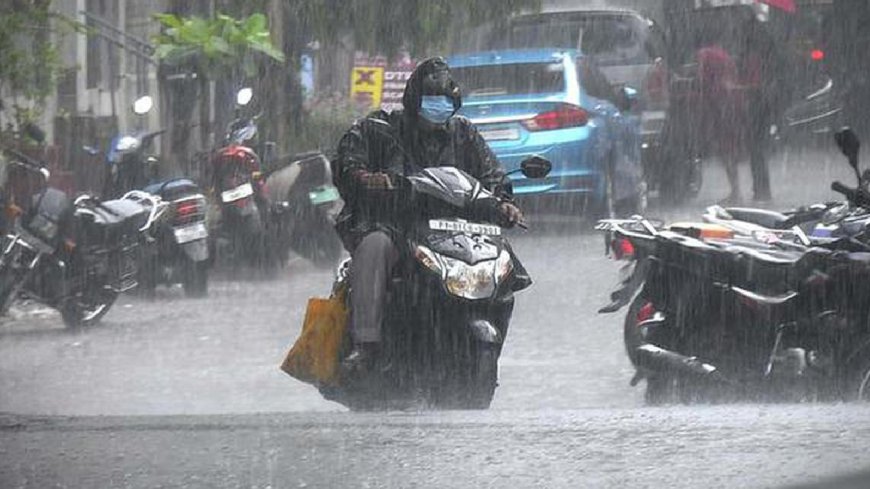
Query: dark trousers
759	135
373	261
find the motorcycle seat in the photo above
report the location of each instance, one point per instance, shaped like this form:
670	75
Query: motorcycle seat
111	222
170	189
762	217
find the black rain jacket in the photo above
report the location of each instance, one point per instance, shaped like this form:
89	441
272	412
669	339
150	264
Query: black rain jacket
392	143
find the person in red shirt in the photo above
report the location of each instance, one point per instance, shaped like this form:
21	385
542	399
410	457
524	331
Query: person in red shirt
721	113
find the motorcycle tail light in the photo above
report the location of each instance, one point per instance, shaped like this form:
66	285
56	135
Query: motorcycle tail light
646	312
187	211
564	116
622	249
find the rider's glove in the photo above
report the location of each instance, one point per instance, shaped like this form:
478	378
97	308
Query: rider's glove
510	214
374	180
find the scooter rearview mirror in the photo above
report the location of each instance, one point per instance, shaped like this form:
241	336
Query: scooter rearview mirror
850	146
143	105
536	166
244	96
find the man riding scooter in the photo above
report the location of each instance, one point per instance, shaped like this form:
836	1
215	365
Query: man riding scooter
372	156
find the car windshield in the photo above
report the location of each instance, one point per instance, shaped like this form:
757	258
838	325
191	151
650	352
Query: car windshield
612	39
510	79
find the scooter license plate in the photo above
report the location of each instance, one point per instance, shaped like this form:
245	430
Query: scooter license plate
240	192
465	227
191	233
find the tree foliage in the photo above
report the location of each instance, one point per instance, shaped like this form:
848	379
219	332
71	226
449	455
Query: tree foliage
29	58
215	45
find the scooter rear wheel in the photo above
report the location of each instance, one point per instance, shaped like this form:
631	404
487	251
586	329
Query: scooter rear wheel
195	279
88	308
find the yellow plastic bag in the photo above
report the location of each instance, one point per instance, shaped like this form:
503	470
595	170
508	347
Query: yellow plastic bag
314	358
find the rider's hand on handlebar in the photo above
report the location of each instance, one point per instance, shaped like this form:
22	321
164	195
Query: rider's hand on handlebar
511	214
375	181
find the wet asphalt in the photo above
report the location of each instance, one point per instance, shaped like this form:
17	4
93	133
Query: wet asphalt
178	392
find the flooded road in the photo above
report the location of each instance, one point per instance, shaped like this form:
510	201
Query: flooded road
179	392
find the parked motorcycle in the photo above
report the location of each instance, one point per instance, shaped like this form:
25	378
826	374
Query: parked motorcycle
250	226
313	203
823	222
689	276
73	256
178	252
450	301
715	314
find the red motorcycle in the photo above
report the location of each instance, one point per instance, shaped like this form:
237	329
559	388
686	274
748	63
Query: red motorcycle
249	224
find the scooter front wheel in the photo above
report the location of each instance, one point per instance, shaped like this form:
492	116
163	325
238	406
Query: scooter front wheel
483	379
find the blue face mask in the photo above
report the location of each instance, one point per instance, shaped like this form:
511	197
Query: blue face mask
437	109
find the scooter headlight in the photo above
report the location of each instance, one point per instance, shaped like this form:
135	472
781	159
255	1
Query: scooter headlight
463	280
470	281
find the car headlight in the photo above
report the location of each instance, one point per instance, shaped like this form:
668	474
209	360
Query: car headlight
127	143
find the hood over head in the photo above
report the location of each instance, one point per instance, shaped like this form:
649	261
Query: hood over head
430	77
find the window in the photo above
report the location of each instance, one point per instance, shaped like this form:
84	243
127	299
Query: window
612	39
510	79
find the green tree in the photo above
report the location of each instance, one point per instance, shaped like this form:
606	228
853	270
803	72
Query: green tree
218	48
29	59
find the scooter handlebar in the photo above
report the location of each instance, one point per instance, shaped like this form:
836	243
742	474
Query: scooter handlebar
856	196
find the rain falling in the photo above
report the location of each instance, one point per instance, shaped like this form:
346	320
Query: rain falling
407	243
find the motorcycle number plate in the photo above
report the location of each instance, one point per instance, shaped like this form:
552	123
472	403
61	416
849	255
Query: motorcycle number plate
465	227
240	192
191	233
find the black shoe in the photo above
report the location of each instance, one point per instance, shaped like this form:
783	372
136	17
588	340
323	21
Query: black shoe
361	360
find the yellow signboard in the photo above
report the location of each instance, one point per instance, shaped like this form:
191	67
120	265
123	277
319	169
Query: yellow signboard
367	85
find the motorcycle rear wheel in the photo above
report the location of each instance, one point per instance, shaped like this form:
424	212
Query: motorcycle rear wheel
195	279
88	308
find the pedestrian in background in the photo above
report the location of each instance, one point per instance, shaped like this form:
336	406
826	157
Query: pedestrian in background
721	110
763	79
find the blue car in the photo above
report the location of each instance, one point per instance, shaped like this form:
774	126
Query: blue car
557	104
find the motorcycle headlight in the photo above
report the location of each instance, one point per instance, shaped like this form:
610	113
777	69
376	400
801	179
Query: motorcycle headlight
127	143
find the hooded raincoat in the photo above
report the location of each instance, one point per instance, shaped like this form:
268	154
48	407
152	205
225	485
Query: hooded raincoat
395	144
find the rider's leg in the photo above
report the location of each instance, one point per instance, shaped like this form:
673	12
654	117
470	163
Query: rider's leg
372	266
